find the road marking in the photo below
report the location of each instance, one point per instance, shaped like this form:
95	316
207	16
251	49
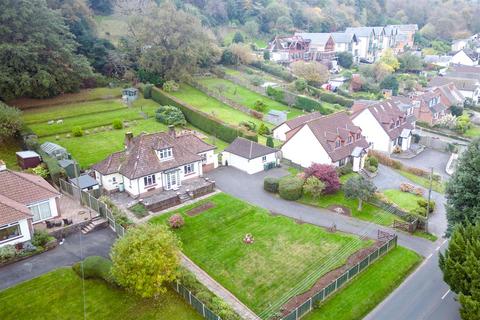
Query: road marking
443	297
429	256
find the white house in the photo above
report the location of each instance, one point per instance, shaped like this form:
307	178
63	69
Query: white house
250	156
464	59
331	139
346	42
279	132
366	42
25	199
385	125
157	161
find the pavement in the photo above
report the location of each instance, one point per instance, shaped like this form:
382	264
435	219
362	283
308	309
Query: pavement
74	248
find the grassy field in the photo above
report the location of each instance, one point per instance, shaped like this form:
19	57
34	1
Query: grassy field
7	153
437	186
283	254
403	200
58	295
246	97
373	285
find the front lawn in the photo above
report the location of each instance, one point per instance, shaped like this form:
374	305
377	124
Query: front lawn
404	200
59	295
437	186
285	259
366	291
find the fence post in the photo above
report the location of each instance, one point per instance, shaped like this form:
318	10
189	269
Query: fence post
311	304
189	297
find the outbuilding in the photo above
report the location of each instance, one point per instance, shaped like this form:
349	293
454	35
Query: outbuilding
250	156
85	182
28	159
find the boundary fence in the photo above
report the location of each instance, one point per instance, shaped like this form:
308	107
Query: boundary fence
93	203
336	284
198	305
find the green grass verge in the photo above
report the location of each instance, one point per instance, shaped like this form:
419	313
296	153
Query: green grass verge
58	295
283	253
473	132
404	200
437	186
428	236
370	287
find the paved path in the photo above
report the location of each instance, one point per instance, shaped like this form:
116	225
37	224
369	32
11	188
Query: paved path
219	290
75	247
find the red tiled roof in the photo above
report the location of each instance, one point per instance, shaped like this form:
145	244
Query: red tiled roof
12	211
298	121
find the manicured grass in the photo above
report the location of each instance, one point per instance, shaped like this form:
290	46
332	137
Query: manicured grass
282	256
59	295
246	97
7	152
373	285
437	186
209	105
68	98
404	200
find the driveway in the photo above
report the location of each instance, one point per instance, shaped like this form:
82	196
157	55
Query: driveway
430	158
74	248
250	188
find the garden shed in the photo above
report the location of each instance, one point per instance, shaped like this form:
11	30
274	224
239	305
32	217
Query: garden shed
69	167
276	117
54	150
250	156
28	159
129	94
85	182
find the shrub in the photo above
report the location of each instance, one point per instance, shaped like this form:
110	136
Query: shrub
270	184
94	267
274	69
327	174
309	104
371	169
300	85
147	91
290	188
176	221
41	238
423	203
372	161
333	98
269	142
119	216
256	81
386	160
139	210
407	187
346	169
313	187
77	131
117	124
276	94
170	115
263	130
260	106
40	170
7	252
170	86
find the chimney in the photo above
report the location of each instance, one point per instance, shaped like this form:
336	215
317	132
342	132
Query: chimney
128	139
3	166
171	131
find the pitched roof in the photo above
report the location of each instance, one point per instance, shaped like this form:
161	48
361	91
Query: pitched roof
298	121
248	149
328	129
461	83
360	31
316	39
111	164
450	92
343	37
12	211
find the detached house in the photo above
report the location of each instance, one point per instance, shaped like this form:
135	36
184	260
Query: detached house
385	125
25	199
289	49
322	46
367	46
155	162
331	139
449	95
429	107
280	131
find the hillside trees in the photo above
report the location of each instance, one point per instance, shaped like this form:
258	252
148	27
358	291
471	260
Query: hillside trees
313	72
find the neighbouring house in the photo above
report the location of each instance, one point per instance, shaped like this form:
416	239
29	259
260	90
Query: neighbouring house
155	162
289	49
390	39
405	36
129	95
250	156
85	182
437	60
429	107
321	48
280	131
28	159
449	95
333	139
367	51
25	199
468	87
346	42
465	58
384	125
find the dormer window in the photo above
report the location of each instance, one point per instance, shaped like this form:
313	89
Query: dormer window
397	123
165	154
338	143
358	136
349	139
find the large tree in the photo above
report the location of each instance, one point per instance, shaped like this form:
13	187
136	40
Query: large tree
314	72
461	268
37	52
146	259
463	188
173	43
359	188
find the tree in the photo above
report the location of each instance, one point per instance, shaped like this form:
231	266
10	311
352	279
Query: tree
463	188
269	142
460	265
314	72
170	115
300	85
251	28
345	59
389	59
146	259
266	55
237	37
177	48
10	121
101	7
327	174
37	52
456	110
410	62
390	82
313	187
359	188
381	70
242	53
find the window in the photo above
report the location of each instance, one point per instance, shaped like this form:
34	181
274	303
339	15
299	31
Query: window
41	211
204	158
165	153
338	143
398	123
9	232
189	168
264	159
149	180
342	162
349	139
359	136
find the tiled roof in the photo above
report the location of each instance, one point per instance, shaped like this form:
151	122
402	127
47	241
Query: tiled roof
315	38
298	121
460	83
451	93
12	211
111	164
248	149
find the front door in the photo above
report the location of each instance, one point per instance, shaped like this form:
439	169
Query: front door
172	180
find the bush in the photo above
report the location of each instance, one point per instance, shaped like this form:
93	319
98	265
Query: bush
276	94
346	169
274	69
170	86
139	210
176	221
423	203
147	91
386	160
263	129
313	187
170	115
7	252
308	104
345	59
269	142
332	98
119	216
326	173
117	124
270	184
77	131
300	85
260	106
372	161
41	238
290	188
94	267
256	81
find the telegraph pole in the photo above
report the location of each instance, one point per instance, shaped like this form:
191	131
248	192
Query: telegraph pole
429	197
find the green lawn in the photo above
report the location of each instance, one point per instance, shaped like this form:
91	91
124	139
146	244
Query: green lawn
246	97
404	200
7	153
281	258
58	295
437	186
203	102
474	131
373	285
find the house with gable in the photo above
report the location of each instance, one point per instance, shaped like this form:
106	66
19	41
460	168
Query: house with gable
155	162
331	139
384	125
322	46
367	50
429	107
346	42
449	95
279	132
289	49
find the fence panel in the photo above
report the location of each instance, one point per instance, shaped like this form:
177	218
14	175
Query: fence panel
318	297
330	288
195	302
291	316
353	271
341	281
363	264
304	308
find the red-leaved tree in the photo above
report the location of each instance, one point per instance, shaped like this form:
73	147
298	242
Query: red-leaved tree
325	173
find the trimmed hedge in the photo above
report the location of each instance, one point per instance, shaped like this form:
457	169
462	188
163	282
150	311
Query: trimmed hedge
276	94
290	188
94	267
301	102
270	184
334	98
202	120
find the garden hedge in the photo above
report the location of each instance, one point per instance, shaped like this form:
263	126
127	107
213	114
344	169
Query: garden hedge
290	188
202	120
275	70
301	102
334	98
270	184
94	267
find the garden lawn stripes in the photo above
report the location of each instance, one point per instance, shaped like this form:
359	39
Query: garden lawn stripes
282	254
59	295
